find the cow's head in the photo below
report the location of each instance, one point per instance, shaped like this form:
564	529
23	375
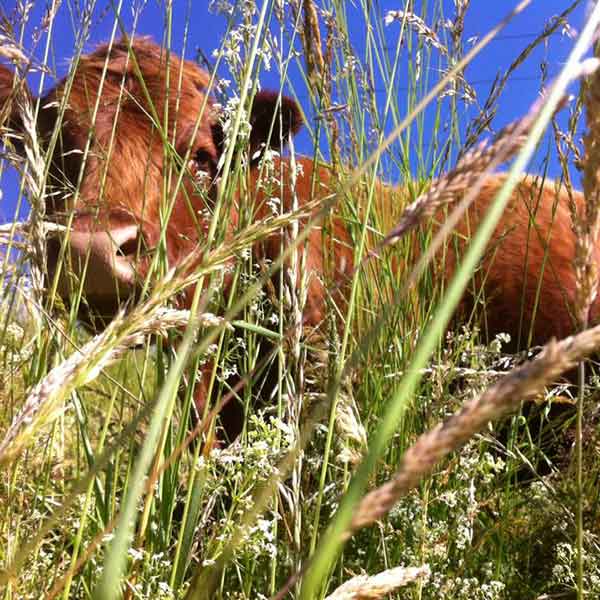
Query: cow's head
137	149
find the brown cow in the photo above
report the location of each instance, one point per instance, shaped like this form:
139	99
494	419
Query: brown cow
116	194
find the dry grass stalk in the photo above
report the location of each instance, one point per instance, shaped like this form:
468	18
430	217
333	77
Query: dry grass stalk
35	166
418	25
351	434
8	232
501	398
327	89
458	23
198	264
586	218
11	51
319	66
45	401
458	84
34	176
22	227
313	51
363	587
586	225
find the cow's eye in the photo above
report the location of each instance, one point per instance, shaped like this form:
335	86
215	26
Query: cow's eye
205	161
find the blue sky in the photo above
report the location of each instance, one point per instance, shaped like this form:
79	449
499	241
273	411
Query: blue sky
194	27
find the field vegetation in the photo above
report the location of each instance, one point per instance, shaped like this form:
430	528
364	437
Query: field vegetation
343	483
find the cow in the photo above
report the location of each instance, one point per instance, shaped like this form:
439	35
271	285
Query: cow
111	180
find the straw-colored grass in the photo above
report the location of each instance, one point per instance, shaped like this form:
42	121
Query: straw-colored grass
363	587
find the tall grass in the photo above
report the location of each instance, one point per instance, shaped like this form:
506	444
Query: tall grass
344	483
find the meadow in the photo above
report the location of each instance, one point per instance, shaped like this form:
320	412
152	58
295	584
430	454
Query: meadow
402	453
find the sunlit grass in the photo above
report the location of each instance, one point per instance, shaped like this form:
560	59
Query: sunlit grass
104	491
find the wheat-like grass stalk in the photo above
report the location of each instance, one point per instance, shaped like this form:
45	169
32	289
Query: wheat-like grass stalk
501	398
586	226
365	587
34	176
11	51
198	264
587	216
45	402
34	172
9	230
296	278
313	48
417	24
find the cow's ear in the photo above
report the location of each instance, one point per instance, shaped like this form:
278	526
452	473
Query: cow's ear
11	86
111	61
274	120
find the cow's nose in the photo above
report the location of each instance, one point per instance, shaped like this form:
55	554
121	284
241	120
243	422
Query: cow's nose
103	262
